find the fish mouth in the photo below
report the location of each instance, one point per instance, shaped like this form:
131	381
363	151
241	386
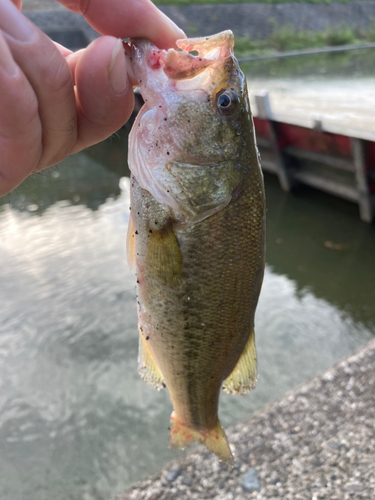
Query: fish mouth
189	67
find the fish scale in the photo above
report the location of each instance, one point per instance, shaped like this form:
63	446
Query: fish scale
196	239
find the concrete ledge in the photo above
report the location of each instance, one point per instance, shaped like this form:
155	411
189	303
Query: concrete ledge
318	442
260	20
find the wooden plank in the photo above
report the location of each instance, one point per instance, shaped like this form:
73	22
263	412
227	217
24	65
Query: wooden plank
366	205
330	160
265	112
327	185
306	121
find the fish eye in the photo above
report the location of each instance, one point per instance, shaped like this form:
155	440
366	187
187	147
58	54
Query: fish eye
226	101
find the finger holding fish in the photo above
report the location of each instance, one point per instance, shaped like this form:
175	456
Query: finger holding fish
55	103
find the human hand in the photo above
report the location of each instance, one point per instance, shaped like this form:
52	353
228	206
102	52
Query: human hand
54	102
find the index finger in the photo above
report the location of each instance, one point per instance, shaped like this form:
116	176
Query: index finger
128	19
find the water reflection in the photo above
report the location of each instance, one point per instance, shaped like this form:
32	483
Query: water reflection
317	67
76	421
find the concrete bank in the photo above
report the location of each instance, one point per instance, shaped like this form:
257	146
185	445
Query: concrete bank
260	20
318	442
255	20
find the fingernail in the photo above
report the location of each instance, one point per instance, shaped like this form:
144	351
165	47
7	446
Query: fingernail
117	69
129	66
13	23
7	63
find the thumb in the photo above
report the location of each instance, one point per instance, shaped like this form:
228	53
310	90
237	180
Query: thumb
104	93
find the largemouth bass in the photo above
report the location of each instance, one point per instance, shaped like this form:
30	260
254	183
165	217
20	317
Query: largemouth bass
196	235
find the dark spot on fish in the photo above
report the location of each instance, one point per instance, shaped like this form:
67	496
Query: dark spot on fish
172	346
147	337
159	105
126	53
200	59
165	119
130	58
130	208
164	388
137	281
167	152
140	81
188	121
137	213
150	230
136	232
167	190
156	222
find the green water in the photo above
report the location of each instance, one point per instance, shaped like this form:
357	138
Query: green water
76	422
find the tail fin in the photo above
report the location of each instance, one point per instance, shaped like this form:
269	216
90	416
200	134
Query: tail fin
215	439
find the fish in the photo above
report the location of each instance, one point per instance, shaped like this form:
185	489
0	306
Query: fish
196	235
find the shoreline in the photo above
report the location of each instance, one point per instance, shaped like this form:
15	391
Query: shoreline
254	21
317	442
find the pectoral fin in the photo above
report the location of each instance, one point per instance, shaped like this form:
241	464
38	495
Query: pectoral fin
164	259
147	366
244	376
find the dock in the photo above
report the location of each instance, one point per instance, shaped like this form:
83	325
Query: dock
334	156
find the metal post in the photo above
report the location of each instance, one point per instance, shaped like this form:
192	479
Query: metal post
366	205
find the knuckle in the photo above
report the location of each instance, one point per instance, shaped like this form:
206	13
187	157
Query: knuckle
55	74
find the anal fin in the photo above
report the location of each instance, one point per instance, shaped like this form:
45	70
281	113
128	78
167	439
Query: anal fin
181	435
244	376
148	368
